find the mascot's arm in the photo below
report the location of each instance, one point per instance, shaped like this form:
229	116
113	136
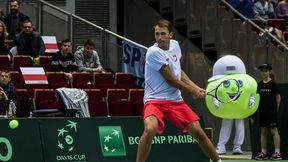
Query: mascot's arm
278	100
252	101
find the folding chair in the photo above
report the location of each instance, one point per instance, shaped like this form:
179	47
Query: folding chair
46	104
118	103
82	80
22	94
97	104
45	99
31	88
45	62
57	80
22	61
125	80
136	99
104	81
17	79
277	23
5	63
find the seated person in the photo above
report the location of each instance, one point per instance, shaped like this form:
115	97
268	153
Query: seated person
7	90
264	10
245	7
4	40
63	61
29	42
282	11
87	58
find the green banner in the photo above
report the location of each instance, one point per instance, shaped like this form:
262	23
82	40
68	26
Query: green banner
22	143
92	139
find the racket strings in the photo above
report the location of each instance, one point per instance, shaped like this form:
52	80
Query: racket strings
231	93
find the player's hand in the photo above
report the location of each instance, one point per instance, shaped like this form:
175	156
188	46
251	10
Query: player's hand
198	93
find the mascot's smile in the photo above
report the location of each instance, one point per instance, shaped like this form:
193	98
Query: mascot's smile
233	95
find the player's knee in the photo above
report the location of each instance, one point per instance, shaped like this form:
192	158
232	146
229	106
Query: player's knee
150	131
197	132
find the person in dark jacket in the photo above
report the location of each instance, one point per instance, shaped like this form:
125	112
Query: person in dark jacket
63	61
8	91
14	19
29	42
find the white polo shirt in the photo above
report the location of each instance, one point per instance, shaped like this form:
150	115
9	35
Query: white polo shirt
156	87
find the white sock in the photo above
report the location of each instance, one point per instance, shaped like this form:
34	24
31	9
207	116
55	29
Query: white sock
264	150
219	160
277	150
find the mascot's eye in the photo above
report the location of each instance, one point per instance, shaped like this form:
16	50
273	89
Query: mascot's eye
226	83
240	82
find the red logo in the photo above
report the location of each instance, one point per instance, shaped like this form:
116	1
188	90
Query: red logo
174	58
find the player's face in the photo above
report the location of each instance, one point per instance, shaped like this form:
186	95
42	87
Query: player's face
162	37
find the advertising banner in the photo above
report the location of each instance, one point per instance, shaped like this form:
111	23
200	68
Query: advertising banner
93	139
20	142
134	61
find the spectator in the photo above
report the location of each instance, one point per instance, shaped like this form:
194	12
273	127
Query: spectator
2	14
268	107
245	7
4	40
29	42
282	11
64	60
87	58
225	133
7	90
14	19
264	10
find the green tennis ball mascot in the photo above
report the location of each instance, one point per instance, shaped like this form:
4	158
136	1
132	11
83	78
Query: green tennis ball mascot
231	93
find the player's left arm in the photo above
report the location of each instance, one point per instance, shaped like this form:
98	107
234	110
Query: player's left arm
278	100
200	91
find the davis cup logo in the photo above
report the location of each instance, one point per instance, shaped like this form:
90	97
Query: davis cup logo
65	136
111	139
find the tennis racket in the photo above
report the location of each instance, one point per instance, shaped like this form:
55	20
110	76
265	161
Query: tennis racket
231	88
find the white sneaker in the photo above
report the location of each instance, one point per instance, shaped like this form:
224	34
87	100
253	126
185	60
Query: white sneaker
237	151
220	150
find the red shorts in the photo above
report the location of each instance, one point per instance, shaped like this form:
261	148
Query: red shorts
178	113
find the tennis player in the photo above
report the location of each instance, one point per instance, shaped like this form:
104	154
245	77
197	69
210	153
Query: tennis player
164	80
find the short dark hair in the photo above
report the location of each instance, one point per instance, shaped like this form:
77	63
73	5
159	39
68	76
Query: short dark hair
67	40
164	23
18	2
89	42
5	71
27	21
